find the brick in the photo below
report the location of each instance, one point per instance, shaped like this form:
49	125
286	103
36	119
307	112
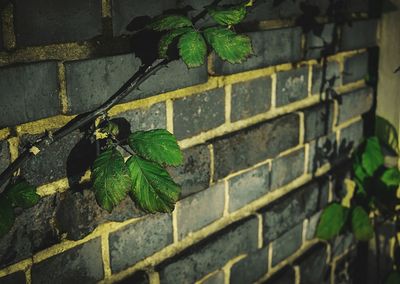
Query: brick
332	77
322	151
287	168
251	268
198	113
4	155
355	68
217	278
316	45
194	174
30	92
292	209
287	244
312	225
284	276
33	230
345	271
318	120
250	146
91	82
79	214
81	264
211	254
153	117
146	236
250	98
359	6
360	34
64	22
270	47
248	186
342	243
201	209
139	277
291	86
313	266
1	38
353	135
15	278
355	103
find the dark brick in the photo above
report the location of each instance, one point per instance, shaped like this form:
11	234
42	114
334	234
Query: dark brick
316	45
359	6
91	82
4	155
355	68
198	210
79	214
248	186
353	135
287	168
355	103
250	98
313	266
217	278
1	38
138	278
15	278
342	243
250	146
194	174
332	77
211	254
270	48
32	231
323	150
136	241
291	86
269	10
287	244
81	264
251	268
284	276
199	113
29	92
49	21
292	209
359	34
318	120
312	225
153	117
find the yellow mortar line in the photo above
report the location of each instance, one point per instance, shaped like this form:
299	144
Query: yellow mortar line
242	171
347	123
106	11
227	267
260	230
296	269
13	144
23	265
4	133
301	127
28	276
328	253
273	24
205	278
269	256
39	126
226	193
304	232
105	252
291	150
273	91
175	223
169	109
210	64
306	157
212	161
63	87
309	86
154	277
228	104
7	18
330	187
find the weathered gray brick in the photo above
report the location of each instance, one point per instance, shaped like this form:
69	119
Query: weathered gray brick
359	34
248	186
287	244
139	277
317	44
332	77
28	92
153	117
4	155
313	266
284	276
14	278
291	86
74	20
200	209
323	150
81	264
211	254
318	120
217	278
250	268
353	135
270	48
312	225
250	98
342	243
355	68
136	241
198	113
355	103
287	168
247	147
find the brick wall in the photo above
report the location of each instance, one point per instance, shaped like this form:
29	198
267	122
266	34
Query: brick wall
264	151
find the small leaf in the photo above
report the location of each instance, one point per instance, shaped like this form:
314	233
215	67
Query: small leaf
332	221
372	157
192	48
361	224
22	194
393	278
228	45
6	216
111	180
157	145
168	38
170	22
391	177
228	15
153	188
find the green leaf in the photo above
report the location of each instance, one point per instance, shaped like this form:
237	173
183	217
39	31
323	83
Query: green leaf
372	157
391	177
192	48
332	221
6	216
228	45
170	22
157	145
153	188
228	15
393	278
111	180
361	224
168	38
22	194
